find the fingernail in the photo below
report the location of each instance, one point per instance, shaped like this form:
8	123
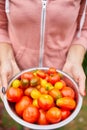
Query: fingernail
3	90
84	93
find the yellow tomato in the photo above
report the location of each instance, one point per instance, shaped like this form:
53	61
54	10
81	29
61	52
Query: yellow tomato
16	83
35	103
49	86
43	82
59	85
35	94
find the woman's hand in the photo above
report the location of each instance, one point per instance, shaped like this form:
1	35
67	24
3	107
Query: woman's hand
8	66
76	71
73	66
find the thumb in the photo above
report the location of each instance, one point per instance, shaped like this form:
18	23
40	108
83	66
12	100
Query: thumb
4	83
15	67
82	86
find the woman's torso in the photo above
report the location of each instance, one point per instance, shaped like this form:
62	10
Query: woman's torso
42	40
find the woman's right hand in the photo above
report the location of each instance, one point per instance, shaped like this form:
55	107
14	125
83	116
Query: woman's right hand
8	65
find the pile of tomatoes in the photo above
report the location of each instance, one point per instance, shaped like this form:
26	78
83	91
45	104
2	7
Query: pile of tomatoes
42	97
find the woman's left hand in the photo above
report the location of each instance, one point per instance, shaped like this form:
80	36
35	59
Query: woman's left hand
76	71
73	66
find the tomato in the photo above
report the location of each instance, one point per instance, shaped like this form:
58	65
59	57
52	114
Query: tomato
16	83
31	114
49	86
28	90
14	94
42	118
65	113
54	115
24	83
43	82
35	103
43	90
45	101
51	70
27	75
54	78
35	94
34	81
66	103
41	74
22	104
55	93
68	92
60	84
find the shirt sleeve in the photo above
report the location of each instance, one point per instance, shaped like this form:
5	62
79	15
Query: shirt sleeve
4	37
82	40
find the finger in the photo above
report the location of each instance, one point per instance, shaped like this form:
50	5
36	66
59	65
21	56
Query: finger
82	85
15	67
1	95
4	83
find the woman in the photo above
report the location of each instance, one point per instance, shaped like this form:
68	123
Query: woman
43	33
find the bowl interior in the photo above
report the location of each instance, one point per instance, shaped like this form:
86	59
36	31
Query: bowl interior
69	81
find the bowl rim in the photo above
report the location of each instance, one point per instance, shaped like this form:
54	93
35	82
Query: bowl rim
44	127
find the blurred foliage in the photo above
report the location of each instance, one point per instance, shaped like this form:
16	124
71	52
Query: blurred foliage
85	64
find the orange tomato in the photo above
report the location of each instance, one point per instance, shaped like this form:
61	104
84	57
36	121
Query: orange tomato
54	115
42	118
68	92
66	102
43	90
55	93
41	74
31	114
14	94
22	104
45	101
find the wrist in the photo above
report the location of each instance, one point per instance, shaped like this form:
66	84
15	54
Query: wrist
6	52
76	54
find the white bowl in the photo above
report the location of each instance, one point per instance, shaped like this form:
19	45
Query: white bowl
70	82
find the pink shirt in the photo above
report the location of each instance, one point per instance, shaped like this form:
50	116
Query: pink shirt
41	32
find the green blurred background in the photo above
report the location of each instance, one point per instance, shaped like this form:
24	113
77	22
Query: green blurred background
79	123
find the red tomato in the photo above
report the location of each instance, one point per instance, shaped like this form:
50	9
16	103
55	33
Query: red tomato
31	114
65	113
68	92
42	118
51	70
27	75
45	101
28	90
22	104
54	115
14	94
54	78
41	74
